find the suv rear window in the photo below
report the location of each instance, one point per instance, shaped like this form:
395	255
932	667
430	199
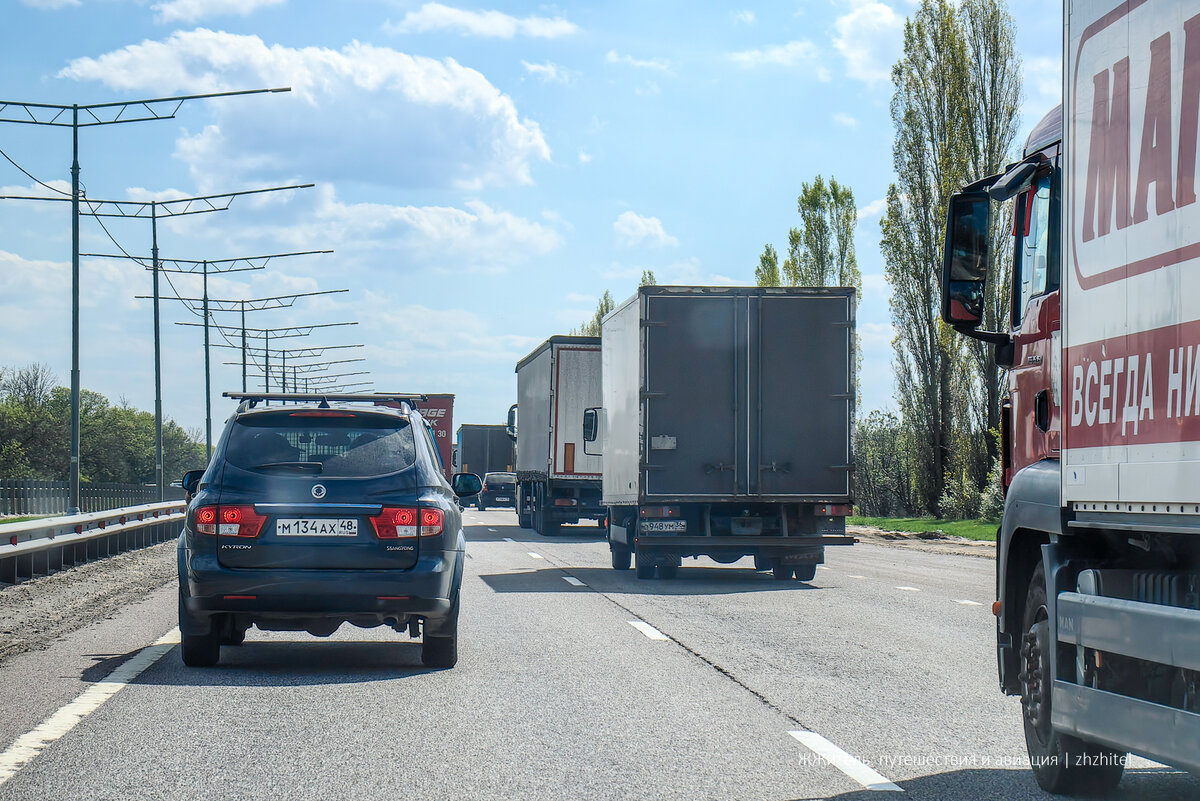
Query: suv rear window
322	442
501	478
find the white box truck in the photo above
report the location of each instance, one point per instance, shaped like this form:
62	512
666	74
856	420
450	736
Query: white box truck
558	481
725	426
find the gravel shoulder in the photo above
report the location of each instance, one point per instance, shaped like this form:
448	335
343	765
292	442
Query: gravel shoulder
925	542
35	613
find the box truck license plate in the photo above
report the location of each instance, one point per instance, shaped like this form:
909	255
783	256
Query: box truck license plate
316	527
664	526
503	498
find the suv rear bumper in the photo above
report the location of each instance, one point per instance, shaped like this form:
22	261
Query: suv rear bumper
425	590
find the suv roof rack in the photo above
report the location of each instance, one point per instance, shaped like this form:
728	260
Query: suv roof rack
251	399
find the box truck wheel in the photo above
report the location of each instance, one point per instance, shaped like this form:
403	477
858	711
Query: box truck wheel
1061	763
643	565
805	572
668	571
780	571
761	562
620	556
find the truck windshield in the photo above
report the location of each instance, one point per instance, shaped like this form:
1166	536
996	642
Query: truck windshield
300	442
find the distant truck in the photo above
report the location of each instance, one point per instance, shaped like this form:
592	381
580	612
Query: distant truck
482	449
1098	558
558	481
725	426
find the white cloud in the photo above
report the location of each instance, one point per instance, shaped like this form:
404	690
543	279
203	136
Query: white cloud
548	72
363	113
785	55
660	64
492	24
872	209
744	17
50	5
845	119
632	230
417	334
1042	77
869	36
876	335
192	10
585	157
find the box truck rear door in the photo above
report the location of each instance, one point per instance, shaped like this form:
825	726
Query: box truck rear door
804	382
693	353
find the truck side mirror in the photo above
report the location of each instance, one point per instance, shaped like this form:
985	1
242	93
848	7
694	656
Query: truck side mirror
964	271
591	424
511	427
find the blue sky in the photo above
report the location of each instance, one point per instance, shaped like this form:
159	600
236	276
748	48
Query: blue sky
484	171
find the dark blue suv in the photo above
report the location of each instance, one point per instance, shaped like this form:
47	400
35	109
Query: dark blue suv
317	511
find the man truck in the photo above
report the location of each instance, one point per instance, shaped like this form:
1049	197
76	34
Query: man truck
557	480
1098	556
482	449
725	426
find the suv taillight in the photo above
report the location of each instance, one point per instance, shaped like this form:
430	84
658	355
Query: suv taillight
393	523
238	520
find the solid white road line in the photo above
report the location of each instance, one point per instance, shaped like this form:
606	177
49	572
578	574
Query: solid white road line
847	764
536	555
822	567
908	589
574	582
648	630
26	747
969	603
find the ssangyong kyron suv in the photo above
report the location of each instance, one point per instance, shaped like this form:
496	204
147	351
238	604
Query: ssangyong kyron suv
321	510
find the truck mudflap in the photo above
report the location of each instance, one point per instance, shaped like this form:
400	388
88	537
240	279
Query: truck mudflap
1168	635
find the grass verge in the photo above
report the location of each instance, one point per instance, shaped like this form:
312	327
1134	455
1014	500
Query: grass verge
971	529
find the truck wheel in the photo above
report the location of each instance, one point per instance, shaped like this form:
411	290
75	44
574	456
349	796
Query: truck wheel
761	563
668	571
1061	763
781	572
524	520
620	556
805	572
549	528
643	566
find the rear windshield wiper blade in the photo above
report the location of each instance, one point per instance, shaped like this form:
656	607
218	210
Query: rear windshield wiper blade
298	466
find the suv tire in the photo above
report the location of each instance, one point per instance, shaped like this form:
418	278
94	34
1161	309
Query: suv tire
198	650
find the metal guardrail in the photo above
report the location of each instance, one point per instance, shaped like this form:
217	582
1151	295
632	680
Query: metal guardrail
19	496
37	547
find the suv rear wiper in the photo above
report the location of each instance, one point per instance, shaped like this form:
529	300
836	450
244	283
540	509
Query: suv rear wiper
298	466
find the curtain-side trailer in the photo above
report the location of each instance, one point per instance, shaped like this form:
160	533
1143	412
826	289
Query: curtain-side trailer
1098	559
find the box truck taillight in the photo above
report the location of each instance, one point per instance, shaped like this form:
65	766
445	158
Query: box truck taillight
833	510
660	511
400	523
229	521
565	502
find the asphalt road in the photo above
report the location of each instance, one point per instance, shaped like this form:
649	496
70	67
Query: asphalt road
574	681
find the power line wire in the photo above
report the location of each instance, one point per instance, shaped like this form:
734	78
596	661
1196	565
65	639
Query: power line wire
31	176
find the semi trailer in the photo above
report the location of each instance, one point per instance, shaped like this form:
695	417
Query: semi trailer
558	481
1098	557
725	426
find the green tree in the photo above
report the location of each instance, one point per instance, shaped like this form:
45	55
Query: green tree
767	273
648	278
591	327
931	155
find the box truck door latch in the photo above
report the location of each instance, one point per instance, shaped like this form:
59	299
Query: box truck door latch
717	468
786	467
662	443
648	395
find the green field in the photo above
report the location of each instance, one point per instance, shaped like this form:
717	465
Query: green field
20	519
971	529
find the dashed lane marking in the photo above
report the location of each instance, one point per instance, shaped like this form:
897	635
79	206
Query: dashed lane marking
648	630
909	589
847	764
509	539
822	567
574	582
26	747
536	555
969	603
854	576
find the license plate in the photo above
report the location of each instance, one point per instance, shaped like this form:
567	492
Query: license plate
316	527
673	526
503	498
